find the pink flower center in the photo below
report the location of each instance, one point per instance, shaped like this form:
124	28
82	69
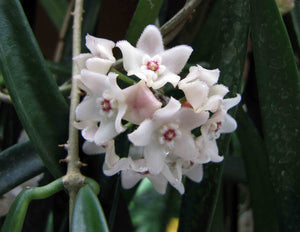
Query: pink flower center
218	126
106	106
143	173
169	135
152	65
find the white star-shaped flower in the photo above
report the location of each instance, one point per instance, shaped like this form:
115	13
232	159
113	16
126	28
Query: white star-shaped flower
201	90
150	62
168	131
220	122
101	57
104	103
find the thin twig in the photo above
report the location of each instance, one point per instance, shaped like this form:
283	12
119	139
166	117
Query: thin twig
73	180
5	98
179	19
63	31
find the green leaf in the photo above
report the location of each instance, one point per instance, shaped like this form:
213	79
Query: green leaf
146	12
256	161
41	108
18	164
50	223
296	20
87	214
279	99
18	209
199	202
56	10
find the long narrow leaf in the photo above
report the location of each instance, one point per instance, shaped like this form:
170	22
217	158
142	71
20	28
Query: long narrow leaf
256	161
296	20
88	215
35	95
18	164
279	99
199	201
56	10
146	12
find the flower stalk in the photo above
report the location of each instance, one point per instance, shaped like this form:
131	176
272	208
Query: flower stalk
73	180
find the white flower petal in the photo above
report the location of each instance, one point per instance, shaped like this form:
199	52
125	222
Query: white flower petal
185	146
228	124
165	114
81	59
98	65
129	179
190	120
154	155
159	183
100	47
213	103
88	110
169	77
175	58
175	182
231	102
195	173
132	57
90	148
96	82
105	132
118	121
196	93
151	41
220	90
143	134
198	72
89	132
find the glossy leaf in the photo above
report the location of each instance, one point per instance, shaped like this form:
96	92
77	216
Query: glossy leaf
199	202
256	161
36	98
18	164
146	12
279	99
87	214
17	211
56	10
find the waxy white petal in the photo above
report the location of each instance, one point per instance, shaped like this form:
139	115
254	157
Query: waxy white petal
159	183
195	173
100	47
143	134
190	120
105	132
97	83
175	58
132	57
150	41
87	110
169	77
129	179
98	65
90	148
154	155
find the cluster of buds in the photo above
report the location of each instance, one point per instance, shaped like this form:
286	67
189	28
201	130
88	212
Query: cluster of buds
170	136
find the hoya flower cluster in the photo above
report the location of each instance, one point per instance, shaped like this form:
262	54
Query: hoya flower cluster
170	137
